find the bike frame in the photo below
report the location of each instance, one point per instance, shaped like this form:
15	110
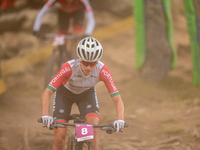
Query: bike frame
62	51
61	43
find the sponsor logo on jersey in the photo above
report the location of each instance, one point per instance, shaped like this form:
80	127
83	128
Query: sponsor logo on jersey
79	81
89	106
93	76
109	77
77	75
61	111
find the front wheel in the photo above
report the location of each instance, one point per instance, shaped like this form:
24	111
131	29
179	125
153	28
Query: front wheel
70	142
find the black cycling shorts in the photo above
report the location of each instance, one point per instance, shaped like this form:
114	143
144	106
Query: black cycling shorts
64	18
87	103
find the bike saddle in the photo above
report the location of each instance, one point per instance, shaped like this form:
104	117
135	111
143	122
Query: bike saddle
77	118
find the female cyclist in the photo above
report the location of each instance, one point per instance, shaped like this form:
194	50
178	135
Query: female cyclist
75	83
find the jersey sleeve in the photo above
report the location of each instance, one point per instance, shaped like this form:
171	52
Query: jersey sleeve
86	5
89	16
62	76
46	8
106	77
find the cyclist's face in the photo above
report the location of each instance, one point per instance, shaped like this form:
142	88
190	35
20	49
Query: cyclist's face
88	67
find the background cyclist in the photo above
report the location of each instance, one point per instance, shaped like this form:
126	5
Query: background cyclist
75	10
75	83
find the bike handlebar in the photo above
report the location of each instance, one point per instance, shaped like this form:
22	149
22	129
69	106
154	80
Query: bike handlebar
50	35
109	128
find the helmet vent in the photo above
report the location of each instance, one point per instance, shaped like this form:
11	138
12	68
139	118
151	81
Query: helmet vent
88	46
83	52
97	52
97	43
100	54
79	52
83	42
92	45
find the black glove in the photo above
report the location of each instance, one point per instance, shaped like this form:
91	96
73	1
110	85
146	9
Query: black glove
38	34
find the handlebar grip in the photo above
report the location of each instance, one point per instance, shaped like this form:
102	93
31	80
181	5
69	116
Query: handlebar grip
40	120
126	125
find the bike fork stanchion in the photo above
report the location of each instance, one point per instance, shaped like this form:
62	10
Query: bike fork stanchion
73	144
90	144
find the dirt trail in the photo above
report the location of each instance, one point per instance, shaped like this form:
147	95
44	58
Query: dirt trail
161	116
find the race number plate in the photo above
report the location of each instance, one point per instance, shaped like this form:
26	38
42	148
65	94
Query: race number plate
84	132
59	40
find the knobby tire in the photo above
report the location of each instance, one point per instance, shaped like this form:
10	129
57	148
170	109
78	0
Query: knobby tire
78	146
69	141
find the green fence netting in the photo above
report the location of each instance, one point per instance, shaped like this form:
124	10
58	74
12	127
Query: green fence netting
155	50
193	30
138	10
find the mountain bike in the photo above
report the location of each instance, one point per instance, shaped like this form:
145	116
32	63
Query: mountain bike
63	47
83	132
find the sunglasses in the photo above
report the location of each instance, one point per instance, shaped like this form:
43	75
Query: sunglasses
92	64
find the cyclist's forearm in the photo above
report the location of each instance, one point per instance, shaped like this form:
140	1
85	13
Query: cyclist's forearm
45	101
90	23
119	107
39	18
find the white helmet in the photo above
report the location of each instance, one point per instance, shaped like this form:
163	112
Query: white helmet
89	49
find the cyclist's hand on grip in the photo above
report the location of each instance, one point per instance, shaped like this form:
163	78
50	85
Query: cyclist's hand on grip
119	124
38	34
47	120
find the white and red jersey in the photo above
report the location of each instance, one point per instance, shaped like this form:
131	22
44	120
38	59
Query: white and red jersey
67	6
71	77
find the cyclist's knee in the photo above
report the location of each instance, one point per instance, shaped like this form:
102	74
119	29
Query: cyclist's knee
60	141
92	120
60	134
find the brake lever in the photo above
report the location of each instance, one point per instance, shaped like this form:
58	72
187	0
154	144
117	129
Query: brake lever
51	127
120	131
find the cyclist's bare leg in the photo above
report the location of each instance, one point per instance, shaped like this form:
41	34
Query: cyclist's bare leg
94	120
60	138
